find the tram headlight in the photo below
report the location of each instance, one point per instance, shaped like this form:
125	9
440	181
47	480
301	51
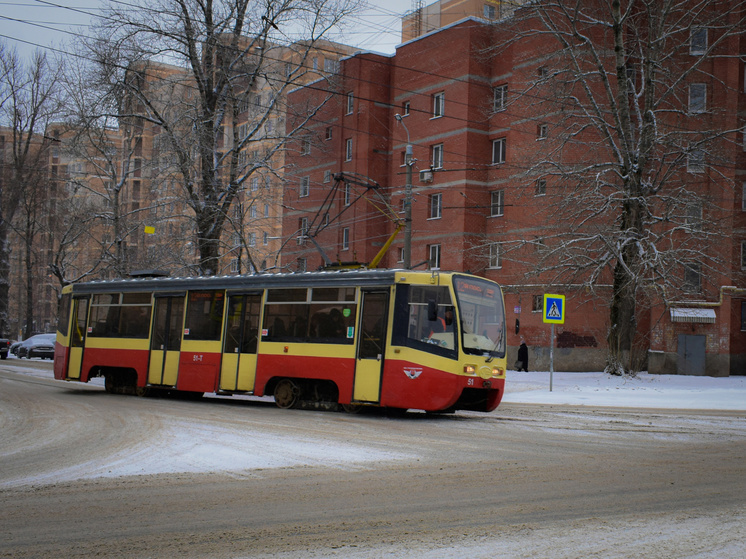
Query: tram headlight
470	369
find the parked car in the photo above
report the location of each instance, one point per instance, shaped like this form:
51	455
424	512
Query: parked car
14	347
41	345
4	348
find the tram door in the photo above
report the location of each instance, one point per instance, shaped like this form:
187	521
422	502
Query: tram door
77	336
165	343
238	369
370	346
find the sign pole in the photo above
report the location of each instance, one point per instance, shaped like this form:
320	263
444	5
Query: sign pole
551	359
554	313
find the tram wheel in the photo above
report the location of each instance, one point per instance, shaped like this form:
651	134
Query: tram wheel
352	408
287	394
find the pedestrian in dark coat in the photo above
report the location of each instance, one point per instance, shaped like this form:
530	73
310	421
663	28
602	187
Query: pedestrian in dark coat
522	363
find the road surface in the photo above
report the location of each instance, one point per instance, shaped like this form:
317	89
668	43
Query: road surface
88	474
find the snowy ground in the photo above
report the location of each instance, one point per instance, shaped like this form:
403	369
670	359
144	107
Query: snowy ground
644	391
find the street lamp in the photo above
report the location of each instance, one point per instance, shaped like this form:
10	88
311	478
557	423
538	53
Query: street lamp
408	161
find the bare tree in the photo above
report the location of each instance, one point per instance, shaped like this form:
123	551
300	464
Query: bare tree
28	100
192	69
634	161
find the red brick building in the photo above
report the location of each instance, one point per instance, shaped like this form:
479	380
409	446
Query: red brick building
483	107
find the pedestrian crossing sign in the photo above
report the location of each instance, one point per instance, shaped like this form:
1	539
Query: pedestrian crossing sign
554	309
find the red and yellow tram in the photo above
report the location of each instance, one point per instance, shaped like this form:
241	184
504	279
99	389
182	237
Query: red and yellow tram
433	341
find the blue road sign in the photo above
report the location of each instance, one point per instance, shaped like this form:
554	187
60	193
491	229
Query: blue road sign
554	309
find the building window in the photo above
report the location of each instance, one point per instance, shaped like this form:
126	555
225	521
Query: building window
305	147
400	255
743	255
327	176
437	161
541	71
542	131
328	134
743	196
405	108
537	304
234	265
693	217
346	238
302	264
348	149
489	11
252	239
265	238
695	161
541	187
698	41
350	102
499	98
498	150
692	278
331	66
266	210
436	206
305	186
495	256
496	203
434	257
347	194
697	98
438	104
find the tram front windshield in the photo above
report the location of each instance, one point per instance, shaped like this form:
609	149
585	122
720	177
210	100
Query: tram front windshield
482	316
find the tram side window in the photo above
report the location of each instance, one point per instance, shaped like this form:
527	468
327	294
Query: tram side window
63	316
120	315
328	318
422	319
204	316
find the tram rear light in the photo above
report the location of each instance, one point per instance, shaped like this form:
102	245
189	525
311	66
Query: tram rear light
470	369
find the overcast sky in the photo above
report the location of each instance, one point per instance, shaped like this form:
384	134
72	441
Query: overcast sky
29	24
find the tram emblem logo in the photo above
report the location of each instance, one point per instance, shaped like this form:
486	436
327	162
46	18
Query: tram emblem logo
412	372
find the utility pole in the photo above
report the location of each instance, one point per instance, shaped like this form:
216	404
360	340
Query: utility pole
408	161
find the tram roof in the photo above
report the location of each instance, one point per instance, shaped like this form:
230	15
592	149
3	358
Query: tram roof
339	278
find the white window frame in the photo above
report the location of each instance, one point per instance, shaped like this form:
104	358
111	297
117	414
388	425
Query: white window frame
348	149
327	176
437	156
698	41
350	102
302	230
305	187
499	151
542	131
695	161
497	203
305	146
495	258
499	98
697	98
405	108
540	188
434	257
346	238
439	100
435	204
